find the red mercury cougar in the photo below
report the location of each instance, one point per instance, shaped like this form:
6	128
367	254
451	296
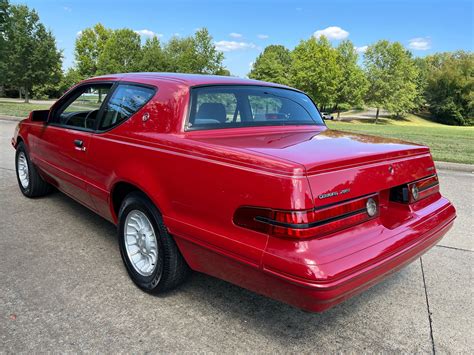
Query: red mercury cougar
238	179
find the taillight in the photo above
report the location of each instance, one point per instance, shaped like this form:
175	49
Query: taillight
308	223
416	190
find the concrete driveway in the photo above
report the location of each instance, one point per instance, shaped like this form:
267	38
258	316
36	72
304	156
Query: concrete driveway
63	288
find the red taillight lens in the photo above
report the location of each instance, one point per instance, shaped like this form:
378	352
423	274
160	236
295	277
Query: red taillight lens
308	223
416	190
423	188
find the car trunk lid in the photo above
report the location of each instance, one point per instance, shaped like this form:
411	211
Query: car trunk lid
339	165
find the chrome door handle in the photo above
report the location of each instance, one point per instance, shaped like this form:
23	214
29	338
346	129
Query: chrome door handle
79	143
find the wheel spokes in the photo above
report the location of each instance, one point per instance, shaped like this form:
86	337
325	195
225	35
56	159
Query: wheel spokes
140	242
22	169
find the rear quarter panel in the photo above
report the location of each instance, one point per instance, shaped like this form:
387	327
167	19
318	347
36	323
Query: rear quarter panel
196	194
196	186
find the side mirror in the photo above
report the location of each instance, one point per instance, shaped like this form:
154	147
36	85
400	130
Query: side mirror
39	115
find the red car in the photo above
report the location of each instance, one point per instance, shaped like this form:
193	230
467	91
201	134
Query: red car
238	179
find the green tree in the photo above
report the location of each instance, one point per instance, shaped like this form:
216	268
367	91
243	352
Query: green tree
273	65
102	51
70	78
4	19
90	44
4	30
153	59
194	54
316	71
353	83
223	71
421	83
449	89
179	54
207	60
32	57
392	76
121	53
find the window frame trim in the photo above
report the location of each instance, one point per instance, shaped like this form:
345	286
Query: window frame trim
70	96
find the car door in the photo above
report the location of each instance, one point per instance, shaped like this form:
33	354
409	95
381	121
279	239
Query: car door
124	102
62	145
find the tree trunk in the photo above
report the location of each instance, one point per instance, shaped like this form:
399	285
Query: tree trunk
377	116
27	96
19	93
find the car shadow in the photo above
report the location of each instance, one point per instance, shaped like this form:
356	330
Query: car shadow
273	318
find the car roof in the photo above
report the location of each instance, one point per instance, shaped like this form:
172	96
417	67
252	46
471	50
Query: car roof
186	79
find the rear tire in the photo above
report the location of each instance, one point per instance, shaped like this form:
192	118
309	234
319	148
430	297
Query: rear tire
29	180
149	253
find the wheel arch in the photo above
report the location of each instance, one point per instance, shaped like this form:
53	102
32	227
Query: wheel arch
19	140
20	134
120	190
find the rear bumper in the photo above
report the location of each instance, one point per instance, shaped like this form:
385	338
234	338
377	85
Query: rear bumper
317	274
360	270
319	297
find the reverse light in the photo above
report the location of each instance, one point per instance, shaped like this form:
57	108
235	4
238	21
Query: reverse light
308	223
415	192
371	207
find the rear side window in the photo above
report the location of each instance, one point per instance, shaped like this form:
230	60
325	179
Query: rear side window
123	103
215	107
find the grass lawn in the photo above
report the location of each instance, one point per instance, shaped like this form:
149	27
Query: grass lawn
447	143
20	109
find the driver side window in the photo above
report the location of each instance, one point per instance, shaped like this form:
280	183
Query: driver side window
82	108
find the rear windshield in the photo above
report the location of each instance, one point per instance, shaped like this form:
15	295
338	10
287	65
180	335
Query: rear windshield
214	107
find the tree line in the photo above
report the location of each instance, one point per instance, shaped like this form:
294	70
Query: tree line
30	62
100	50
386	77
441	85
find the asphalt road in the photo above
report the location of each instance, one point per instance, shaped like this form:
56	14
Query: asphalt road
63	288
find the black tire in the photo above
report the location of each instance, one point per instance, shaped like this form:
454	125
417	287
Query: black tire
171	268
36	186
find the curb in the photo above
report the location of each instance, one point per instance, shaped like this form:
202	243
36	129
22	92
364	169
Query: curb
444	165
11	118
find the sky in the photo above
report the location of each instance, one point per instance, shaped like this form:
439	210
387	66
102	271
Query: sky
242	29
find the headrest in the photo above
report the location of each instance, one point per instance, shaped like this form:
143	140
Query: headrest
213	111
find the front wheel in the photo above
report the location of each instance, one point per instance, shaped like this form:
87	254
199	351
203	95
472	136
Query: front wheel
29	180
149	253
